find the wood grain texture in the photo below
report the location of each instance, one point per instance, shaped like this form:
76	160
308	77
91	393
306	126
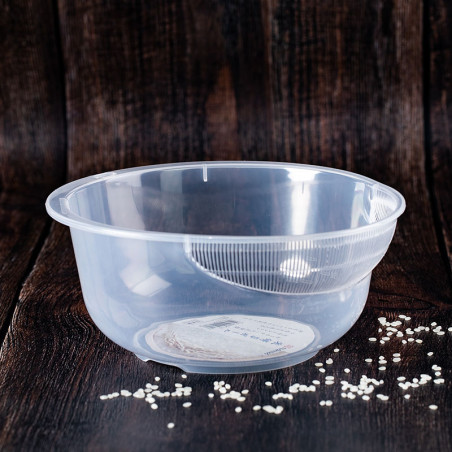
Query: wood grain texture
330	83
439	91
139	95
32	138
32	135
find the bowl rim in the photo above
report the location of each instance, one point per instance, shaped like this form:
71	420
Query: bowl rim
57	205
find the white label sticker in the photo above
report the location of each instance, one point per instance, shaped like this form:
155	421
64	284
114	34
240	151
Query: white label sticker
230	338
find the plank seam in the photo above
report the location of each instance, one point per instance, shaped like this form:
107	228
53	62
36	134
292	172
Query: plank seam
62	77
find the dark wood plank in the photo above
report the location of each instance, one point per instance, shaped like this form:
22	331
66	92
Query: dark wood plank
32	138
158	89
439	92
32	117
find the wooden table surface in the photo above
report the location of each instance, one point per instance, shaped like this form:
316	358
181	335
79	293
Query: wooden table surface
94	86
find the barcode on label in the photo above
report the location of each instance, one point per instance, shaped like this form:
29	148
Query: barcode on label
211	326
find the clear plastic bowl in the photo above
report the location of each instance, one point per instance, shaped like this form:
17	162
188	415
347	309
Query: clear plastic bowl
226	267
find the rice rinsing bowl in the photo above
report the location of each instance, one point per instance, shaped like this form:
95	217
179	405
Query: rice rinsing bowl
226	267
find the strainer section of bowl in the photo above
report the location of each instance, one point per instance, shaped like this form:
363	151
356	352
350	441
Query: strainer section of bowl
294	265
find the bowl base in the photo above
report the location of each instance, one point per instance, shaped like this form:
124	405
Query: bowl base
239	368
232	343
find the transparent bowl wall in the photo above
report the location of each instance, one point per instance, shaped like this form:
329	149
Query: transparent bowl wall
226	266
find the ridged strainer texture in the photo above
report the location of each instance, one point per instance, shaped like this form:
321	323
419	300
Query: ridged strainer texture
294	266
